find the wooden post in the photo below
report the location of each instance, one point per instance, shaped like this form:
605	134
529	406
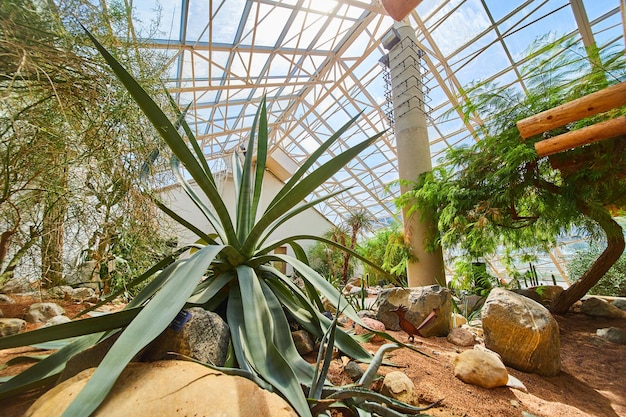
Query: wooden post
598	102
575	138
399	9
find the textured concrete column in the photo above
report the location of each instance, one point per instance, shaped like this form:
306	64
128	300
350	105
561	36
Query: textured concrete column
413	149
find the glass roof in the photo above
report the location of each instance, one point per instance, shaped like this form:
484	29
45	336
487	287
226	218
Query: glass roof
318	64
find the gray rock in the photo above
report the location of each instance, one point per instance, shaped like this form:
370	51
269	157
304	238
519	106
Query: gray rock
420	302
620	303
522	331
62	291
5	299
599	308
204	336
353	370
480	368
83	293
10	327
400	387
303	341
461	337
370	314
613	334
41	312
16	286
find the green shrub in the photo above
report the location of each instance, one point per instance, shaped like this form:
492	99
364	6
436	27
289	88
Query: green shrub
613	283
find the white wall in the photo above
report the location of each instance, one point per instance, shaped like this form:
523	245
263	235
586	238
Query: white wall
309	222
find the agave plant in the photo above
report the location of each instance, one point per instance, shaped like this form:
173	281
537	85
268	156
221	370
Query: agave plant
231	267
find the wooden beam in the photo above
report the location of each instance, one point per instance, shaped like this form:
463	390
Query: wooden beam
594	133
598	102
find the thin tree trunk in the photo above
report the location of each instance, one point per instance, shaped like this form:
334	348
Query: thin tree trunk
614	249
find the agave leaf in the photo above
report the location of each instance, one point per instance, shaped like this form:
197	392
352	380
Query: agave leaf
70	329
206	211
369	374
169	133
23	359
326	349
283	339
261	160
159	266
300	191
308	163
237	325
246	207
185	223
340	247
265	357
148	324
211	287
42	372
291	214
190	136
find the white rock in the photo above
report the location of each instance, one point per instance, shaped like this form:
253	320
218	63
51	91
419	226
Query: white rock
480	368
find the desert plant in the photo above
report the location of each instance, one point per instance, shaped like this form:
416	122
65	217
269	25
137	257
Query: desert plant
230	268
355	399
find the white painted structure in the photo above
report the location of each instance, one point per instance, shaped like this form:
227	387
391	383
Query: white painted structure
309	222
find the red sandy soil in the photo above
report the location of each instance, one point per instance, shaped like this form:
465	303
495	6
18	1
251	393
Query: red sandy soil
592	381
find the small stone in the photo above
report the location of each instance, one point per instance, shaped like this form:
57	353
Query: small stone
613	334
620	303
353	370
371	314
515	403
57	320
599	308
461	337
10	326
372	324
41	312
480	368
61	291
5	299
457	320
400	387
303	341
83	293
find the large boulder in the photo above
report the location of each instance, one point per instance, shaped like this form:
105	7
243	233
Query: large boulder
11	326
480	368
522	331
169	388
42	312
200	334
420	302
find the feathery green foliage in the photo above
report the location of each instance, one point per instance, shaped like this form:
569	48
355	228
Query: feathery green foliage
499	194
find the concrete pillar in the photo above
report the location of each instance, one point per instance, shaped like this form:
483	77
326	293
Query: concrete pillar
412	147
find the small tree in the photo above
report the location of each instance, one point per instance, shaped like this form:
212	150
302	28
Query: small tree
499	193
389	249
